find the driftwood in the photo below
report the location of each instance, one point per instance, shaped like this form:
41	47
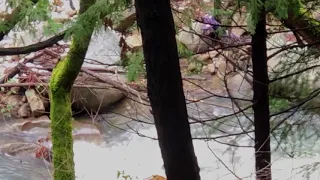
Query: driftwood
16	69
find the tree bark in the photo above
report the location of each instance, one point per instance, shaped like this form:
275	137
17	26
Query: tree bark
154	17
261	99
63	77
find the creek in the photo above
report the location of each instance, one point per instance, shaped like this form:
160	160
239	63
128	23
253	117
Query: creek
139	156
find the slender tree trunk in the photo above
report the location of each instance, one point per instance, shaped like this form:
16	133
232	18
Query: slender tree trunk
261	99
62	79
165	89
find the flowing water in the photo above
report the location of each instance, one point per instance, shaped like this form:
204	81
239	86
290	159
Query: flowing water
140	157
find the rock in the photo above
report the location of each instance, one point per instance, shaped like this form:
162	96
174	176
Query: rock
203	57
134	41
211	68
94	100
213	54
30	123
35	102
71	13
223	68
24	110
205	69
24	99
239	19
239	87
103	48
12	100
192	67
19	148
188	36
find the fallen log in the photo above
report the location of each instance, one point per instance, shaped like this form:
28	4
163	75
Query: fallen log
8	85
121	86
100	69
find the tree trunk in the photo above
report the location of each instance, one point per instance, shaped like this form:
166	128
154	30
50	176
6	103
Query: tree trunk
63	77
261	99
154	17
302	22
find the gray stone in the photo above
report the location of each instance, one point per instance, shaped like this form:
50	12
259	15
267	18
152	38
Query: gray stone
188	36
211	68
35	102
203	57
94	100
239	87
24	111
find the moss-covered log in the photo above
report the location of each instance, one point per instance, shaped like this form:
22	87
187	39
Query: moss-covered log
62	79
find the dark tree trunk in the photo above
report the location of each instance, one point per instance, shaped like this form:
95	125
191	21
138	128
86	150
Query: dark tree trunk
165	89
261	100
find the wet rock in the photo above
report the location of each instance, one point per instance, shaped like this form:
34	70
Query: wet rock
19	148
35	102
30	123
86	132
24	110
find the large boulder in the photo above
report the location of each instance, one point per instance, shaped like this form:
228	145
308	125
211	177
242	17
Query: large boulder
93	100
239	87
193	38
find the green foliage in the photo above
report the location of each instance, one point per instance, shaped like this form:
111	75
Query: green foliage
93	17
124	176
183	51
254	8
195	66
135	65
278	104
280	7
52	27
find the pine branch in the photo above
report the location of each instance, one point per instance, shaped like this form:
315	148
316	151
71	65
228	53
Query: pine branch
12	20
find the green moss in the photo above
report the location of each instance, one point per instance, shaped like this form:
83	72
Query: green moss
60	114
61	82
